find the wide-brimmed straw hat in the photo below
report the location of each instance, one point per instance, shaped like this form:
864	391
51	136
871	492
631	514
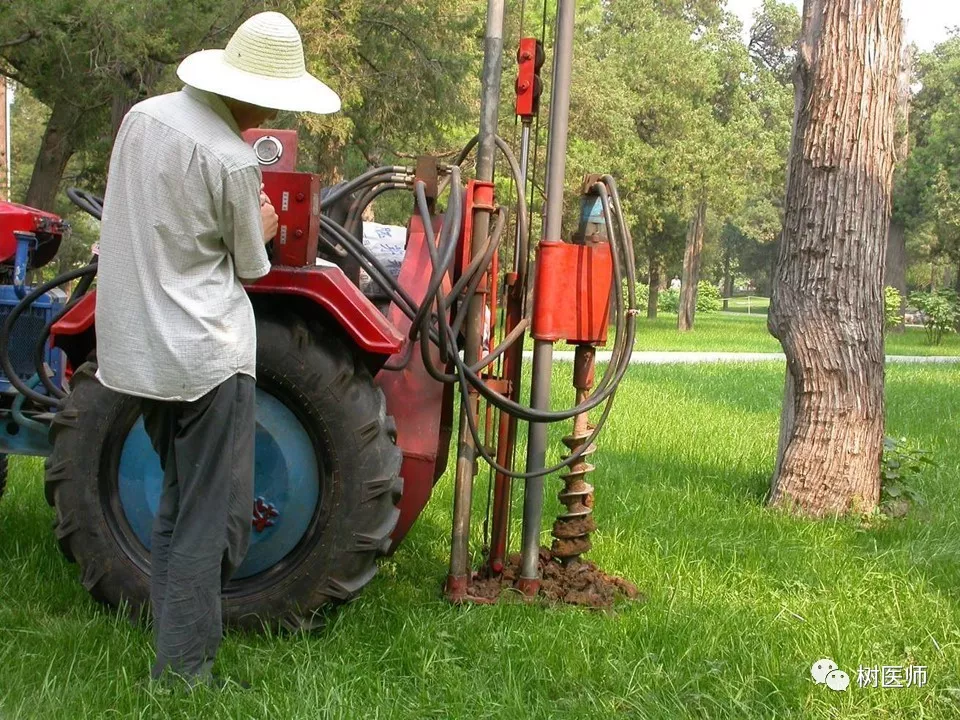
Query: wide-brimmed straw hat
262	65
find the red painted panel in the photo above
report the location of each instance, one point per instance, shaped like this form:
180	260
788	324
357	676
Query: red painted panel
572	292
80	318
328	287
528	87
296	198
415	399
20	218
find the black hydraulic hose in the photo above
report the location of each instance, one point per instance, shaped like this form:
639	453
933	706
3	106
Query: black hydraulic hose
441	264
625	331
84	285
370	177
360	204
620	358
8	324
615	370
378	273
523	216
477	276
445	328
39	353
371	264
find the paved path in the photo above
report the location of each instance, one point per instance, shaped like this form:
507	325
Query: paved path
663	358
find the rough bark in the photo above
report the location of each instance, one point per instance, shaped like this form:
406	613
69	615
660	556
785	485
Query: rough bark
691	268
56	149
827	305
653	296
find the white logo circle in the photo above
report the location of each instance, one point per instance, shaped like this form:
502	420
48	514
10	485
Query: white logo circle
838	680
822	668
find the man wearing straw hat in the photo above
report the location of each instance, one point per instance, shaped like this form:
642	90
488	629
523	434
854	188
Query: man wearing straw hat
184	222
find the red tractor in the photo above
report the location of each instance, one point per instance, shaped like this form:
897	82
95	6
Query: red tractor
355	400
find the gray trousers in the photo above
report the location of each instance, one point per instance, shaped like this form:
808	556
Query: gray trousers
202	528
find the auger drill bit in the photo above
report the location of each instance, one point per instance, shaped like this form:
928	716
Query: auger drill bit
572	529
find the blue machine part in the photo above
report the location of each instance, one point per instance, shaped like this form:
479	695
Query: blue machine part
591	210
286	485
26	334
25	243
18	439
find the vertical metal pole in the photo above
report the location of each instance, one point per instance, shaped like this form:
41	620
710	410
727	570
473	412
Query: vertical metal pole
507	435
524	164
466	450
543	350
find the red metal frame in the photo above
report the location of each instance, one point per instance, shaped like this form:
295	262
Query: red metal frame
20	218
296	198
326	287
529	88
329	288
572	294
417	402
507	431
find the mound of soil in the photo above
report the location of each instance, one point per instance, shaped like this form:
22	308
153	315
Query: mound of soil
575	583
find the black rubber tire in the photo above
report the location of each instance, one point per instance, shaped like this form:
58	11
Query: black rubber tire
4	463
332	393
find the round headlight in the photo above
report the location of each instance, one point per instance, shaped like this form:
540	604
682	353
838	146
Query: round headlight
268	150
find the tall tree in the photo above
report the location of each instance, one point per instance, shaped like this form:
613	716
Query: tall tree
827	305
928	198
739	143
88	60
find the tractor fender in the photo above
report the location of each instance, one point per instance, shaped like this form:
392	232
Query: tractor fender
325	287
330	289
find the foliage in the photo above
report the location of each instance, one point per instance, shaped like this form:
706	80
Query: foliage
643	295
407	72
708	297
928	197
892	306
668	301
88	60
900	466
27	116
941	312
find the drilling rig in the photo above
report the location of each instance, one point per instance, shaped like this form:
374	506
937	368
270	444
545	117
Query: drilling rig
355	400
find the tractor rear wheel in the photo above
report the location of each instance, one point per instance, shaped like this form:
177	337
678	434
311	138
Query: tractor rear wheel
326	483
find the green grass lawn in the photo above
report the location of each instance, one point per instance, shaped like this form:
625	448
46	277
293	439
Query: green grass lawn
752	304
739	332
740	600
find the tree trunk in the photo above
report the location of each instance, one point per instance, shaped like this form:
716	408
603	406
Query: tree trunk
956	280
895	268
827	306
653	296
727	279
137	84
56	149
691	268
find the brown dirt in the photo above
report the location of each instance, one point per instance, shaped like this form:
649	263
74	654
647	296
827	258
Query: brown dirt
576	583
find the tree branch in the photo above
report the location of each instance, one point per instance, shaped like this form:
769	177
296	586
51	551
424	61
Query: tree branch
403	33
26	37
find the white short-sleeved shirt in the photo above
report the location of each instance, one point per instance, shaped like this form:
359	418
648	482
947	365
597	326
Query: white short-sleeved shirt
181	226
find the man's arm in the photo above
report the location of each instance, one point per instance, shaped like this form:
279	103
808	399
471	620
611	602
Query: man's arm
244	223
